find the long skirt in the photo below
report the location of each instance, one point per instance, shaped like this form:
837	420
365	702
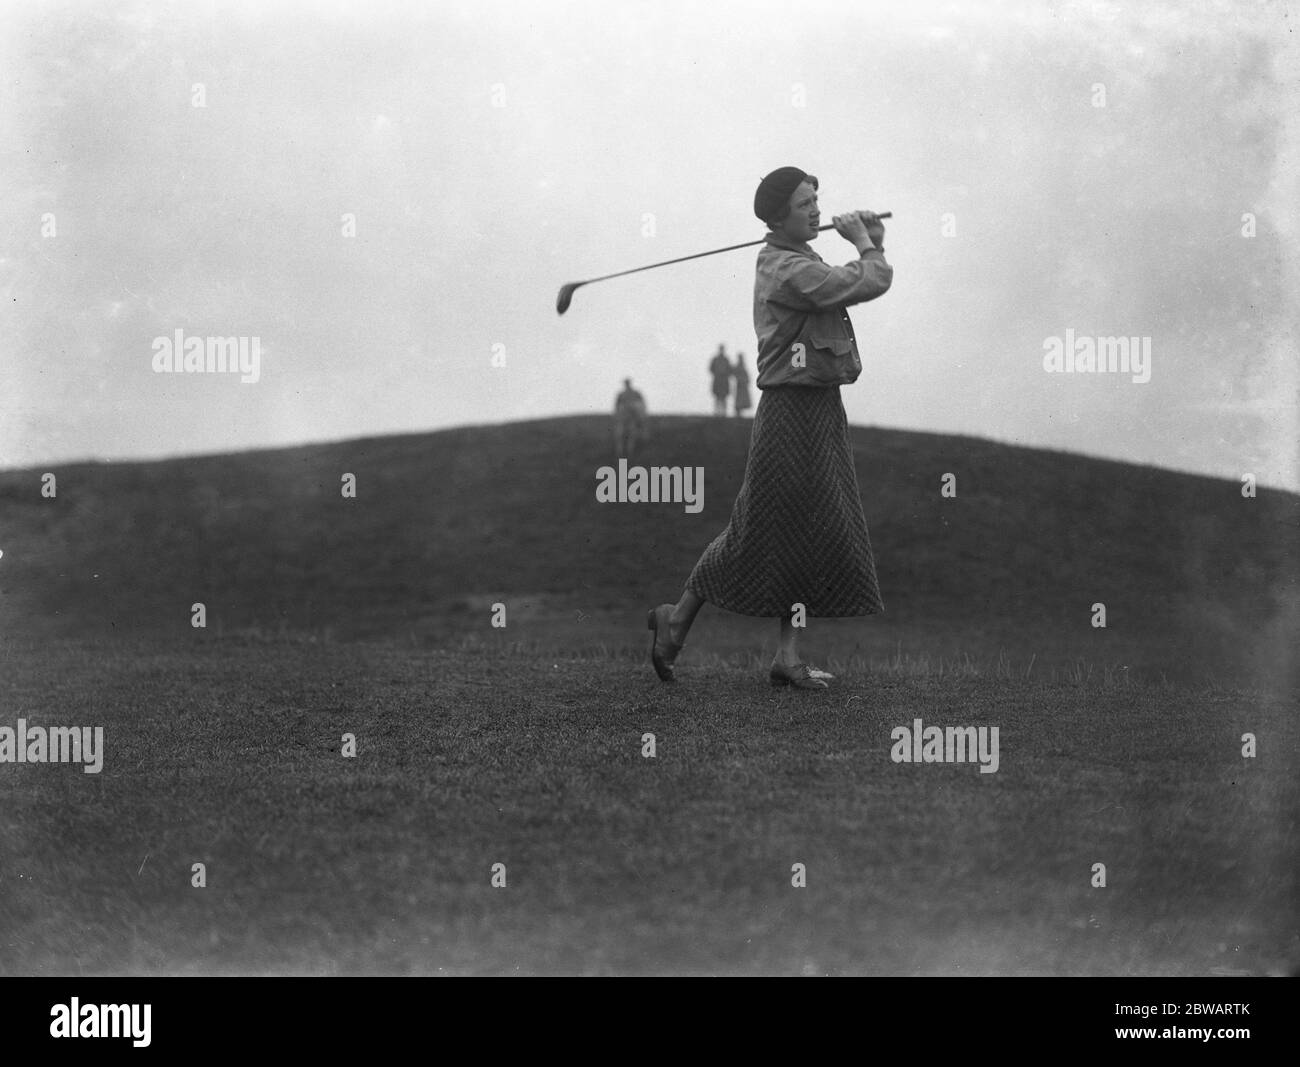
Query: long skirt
797	534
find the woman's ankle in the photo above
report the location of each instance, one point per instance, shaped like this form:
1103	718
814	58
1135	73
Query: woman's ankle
678	628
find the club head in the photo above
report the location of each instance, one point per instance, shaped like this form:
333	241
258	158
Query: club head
566	296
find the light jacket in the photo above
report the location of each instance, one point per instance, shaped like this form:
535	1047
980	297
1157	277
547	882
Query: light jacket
800	300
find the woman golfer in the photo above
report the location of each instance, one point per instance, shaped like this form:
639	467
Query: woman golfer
797	534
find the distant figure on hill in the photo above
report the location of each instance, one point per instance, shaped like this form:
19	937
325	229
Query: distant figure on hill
741	374
629	420
720	368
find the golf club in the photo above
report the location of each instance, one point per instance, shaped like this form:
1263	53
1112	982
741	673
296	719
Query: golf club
568	288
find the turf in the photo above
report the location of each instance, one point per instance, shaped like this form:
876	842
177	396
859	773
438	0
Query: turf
522	745
1198	581
229	755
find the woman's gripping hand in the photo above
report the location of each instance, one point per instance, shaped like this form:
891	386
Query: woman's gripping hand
874	226
852	227
863	228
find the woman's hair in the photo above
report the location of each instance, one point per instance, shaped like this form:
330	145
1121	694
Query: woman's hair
784	211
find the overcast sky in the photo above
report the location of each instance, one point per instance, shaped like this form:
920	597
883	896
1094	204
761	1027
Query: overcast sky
491	151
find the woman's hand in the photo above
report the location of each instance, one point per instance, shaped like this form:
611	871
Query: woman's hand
874	227
852	227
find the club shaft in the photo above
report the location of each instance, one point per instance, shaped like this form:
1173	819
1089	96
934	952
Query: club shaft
699	255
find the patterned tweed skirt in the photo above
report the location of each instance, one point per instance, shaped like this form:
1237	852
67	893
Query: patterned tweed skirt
797	533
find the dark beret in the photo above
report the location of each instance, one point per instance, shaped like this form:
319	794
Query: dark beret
775	190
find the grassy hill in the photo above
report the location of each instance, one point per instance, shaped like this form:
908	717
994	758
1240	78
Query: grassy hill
1197	580
524	746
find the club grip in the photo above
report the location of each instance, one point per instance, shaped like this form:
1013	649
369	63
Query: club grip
831	225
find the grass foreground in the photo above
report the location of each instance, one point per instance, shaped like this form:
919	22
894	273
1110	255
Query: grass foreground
228	753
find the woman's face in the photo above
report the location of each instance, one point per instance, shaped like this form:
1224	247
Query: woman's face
805	216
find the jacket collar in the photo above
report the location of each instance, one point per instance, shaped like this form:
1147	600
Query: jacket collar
780	240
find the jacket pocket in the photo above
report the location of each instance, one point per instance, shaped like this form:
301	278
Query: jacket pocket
828	333
833	358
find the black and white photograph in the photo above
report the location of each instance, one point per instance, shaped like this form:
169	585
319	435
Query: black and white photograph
662	489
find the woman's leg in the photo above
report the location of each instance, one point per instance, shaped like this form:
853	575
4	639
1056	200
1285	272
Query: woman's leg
684	612
671	623
788	651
